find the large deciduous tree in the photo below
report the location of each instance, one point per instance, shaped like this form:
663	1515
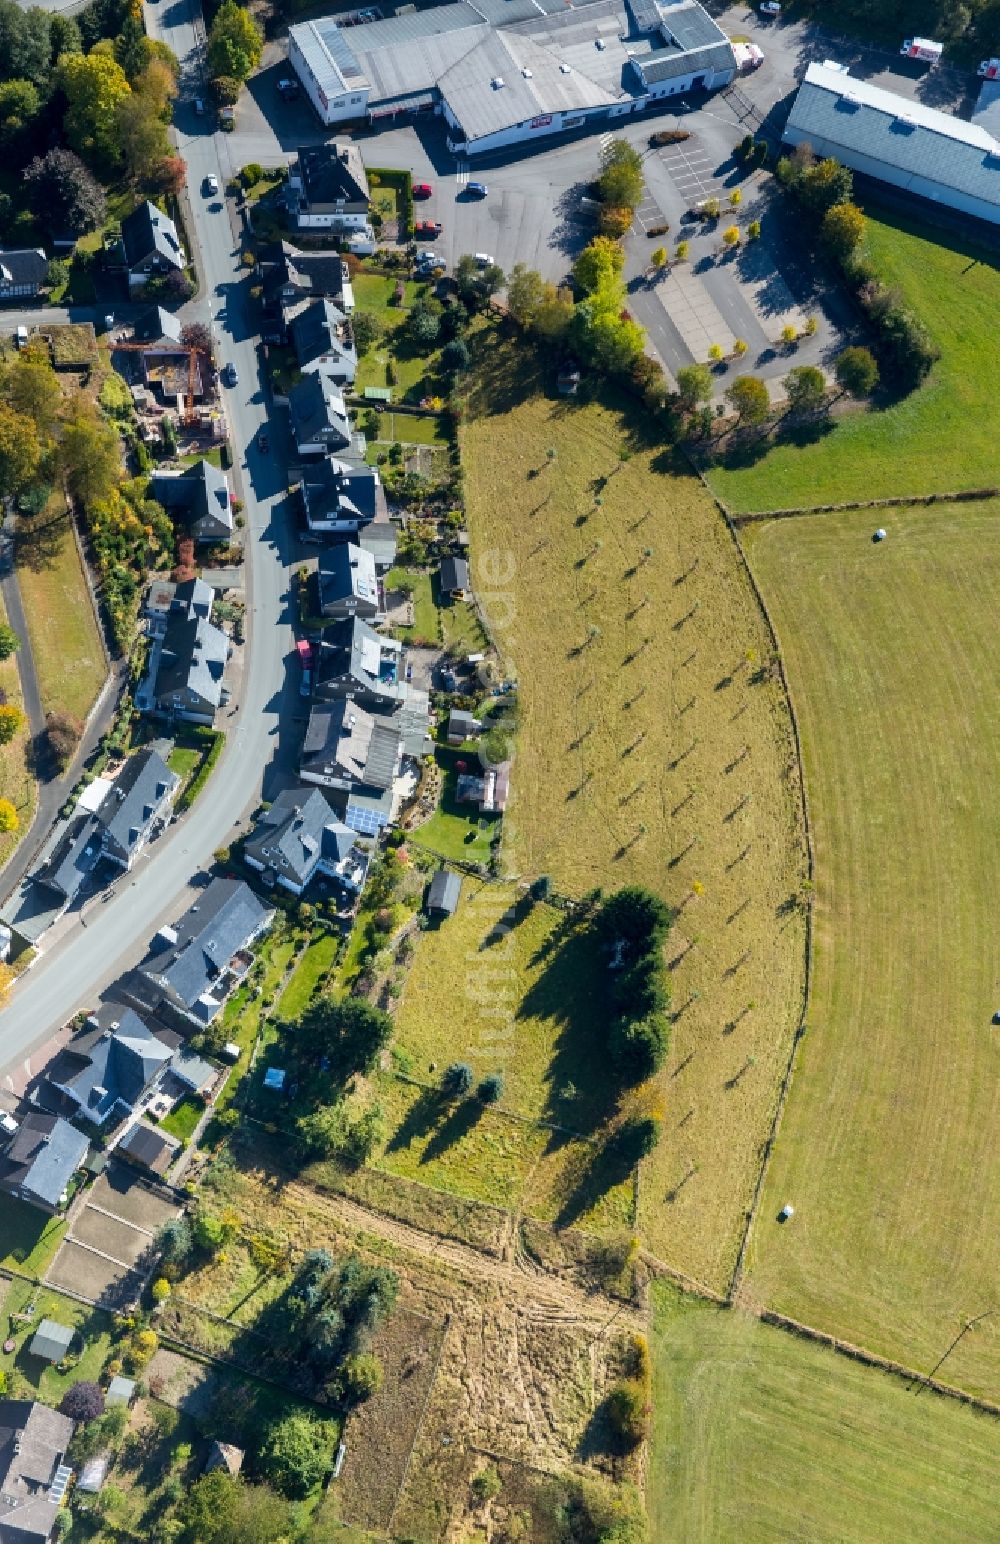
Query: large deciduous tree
20	451
856	371
63	194
749	397
842	230
95	87
235	43
805	388
620	183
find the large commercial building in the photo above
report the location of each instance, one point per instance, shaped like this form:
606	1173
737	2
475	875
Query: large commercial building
929	153
505	72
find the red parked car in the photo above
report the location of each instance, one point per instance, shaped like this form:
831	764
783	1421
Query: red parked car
422	190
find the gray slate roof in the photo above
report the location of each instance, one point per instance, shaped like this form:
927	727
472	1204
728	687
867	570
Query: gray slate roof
336	490
317	329
296	833
116	1068
379	538
344	740
346	573
317	411
136	793
331	173
352	657
897	132
147	232
444	891
22	265
73	858
221	922
454	575
192	661
202	493
33	1442
192	598
42	1157
157	326
153	1150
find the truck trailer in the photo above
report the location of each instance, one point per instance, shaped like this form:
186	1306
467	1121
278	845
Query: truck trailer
923	49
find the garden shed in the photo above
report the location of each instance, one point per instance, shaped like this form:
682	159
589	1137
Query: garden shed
52	1340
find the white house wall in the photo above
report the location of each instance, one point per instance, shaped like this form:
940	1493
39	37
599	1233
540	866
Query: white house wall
338	109
908	181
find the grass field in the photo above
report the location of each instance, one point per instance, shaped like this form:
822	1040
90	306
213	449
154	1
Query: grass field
65	643
760	1435
888	1148
941	437
16	782
523	995
183	1118
651	749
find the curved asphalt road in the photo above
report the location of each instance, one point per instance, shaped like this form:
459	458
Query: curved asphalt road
74	972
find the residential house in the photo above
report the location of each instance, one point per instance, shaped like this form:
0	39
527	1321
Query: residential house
352	659
150	244
199	497
357	754
286	275
103	1074
73	858
379	538
339	497
148	1149
348	585
187	661
462	726
488	789
328	189
40	1160
454	578
33	1471
443	893
299	837
22	272
192	968
137	801
318	417
158	330
321	336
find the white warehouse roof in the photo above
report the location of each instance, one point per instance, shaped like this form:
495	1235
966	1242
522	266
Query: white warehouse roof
835	111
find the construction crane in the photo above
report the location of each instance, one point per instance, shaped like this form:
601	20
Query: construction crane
175	348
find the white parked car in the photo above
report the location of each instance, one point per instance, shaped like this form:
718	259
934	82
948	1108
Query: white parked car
770	8
211	185
484	259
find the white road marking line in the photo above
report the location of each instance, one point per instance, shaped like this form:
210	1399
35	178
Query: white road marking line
462	173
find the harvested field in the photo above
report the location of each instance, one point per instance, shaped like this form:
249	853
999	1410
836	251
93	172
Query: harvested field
475	1223
888	1149
380	1433
655	745
111	1236
121	1191
99	1280
760	1435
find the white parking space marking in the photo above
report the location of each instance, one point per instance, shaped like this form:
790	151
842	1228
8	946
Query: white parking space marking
694	313
462	173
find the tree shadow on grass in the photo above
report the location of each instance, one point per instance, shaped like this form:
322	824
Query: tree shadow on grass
569	994
610	1165
38	540
504	376
417	1121
461	1120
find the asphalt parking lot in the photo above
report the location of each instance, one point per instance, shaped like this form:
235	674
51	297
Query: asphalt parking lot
536	212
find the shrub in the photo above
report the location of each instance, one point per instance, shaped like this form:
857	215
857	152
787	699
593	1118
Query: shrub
251	174
457	1079
63	734
487	1484
627	1408
490	1090
160	1290
361	1376
856	371
84	1401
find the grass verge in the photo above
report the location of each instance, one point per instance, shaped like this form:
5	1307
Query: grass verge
16	781
65	642
887	1148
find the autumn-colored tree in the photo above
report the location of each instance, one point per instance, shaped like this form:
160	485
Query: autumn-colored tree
235	43
599	262
11	719
842	230
29	385
90	453
94	85
8	816
749	396
20	451
168	175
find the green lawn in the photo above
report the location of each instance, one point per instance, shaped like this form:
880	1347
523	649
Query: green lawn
243	1012
65	641
415	375
761	1436
456	830
461	627
426	618
184	761
941	437
93	1324
313	964
212	454
183	1118
375	291
17	782
887	1149
412	428
28	1238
